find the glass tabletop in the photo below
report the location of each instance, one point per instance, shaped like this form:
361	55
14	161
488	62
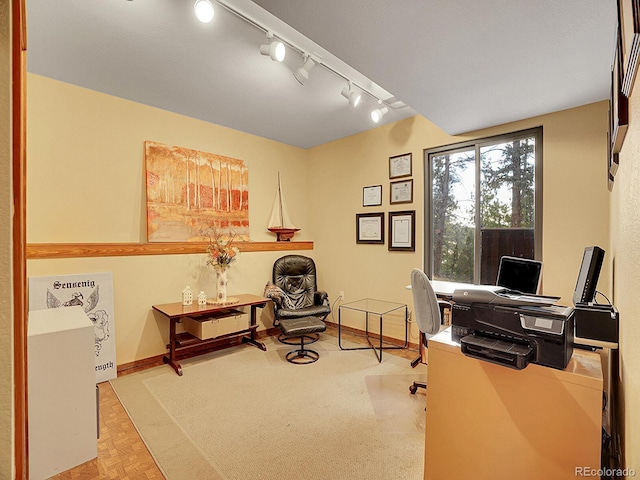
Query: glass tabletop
370	305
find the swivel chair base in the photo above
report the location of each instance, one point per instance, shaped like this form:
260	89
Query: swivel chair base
414	388
302	328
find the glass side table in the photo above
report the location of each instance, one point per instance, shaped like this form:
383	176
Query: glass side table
379	308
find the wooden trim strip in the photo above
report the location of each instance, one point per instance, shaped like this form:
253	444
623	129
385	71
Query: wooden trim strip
19	183
80	250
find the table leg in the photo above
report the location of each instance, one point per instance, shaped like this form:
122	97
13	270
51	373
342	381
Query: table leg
251	339
339	329
171	358
380	358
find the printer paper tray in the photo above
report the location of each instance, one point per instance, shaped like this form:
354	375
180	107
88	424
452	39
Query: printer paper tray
501	352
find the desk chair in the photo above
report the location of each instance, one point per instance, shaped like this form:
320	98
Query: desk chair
428	313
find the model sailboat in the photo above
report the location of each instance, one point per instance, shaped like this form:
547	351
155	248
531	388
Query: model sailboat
280	222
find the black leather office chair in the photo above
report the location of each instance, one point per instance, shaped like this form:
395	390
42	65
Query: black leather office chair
428	314
295	294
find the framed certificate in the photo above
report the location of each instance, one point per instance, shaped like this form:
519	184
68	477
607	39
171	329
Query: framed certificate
400	166
372	196
402	231
401	192
370	228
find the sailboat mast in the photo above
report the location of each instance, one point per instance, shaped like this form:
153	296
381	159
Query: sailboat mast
280	201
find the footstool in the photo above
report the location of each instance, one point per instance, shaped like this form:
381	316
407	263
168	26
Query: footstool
301	327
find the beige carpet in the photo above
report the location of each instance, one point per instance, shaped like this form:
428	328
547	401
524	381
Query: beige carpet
242	413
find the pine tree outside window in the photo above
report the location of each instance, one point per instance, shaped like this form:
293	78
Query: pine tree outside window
484	200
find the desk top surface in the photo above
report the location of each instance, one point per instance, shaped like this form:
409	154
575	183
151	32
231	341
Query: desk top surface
446	288
585	367
176	309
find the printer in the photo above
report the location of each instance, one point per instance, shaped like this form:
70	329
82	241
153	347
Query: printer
512	330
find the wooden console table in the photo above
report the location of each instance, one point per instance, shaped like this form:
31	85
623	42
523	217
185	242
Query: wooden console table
184	341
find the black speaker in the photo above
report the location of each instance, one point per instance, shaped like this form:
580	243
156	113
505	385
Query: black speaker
597	322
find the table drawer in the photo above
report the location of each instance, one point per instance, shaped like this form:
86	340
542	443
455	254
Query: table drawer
206	328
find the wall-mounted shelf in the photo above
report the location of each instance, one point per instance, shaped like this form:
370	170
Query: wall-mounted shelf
79	250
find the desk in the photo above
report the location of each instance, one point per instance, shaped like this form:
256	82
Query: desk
185	341
485	421
379	308
445	289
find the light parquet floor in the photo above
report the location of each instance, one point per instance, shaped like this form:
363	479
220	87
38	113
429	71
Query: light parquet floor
122	455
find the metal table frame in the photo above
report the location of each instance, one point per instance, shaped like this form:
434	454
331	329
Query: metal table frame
370	306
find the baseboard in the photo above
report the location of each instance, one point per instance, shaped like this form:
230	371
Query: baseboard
149	362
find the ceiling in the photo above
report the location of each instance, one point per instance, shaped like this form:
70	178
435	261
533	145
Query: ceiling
463	65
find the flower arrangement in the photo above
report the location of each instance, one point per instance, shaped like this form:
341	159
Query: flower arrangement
221	251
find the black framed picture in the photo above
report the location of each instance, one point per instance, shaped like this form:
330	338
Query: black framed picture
400	166
629	26
401	192
370	227
619	103
402	231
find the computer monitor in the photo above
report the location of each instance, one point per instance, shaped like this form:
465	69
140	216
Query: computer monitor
519	274
588	275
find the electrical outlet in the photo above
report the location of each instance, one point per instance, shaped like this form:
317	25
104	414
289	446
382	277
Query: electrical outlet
341	295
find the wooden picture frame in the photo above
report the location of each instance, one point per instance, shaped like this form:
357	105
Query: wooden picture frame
629	27
370	228
401	192
400	166
372	196
402	231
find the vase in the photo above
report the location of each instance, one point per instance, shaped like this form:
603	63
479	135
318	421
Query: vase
221	286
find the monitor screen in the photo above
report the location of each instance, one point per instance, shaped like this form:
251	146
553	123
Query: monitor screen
519	274
588	275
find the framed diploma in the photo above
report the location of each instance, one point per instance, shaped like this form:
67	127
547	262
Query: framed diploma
370	228
400	166
402	192
402	231
372	196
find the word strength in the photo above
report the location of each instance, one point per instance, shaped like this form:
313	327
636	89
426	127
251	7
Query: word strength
104	366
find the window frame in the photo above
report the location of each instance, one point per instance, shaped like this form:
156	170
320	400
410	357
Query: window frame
476	145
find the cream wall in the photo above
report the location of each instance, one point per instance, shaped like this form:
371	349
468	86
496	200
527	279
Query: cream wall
86	184
625	254
6	278
86	165
575	201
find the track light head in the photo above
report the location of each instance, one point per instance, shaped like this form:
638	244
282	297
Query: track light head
275	49
302	73
203	10
352	95
378	113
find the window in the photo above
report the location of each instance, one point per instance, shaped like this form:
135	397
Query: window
484	201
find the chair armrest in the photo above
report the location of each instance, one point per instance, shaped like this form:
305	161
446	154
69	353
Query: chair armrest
320	297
